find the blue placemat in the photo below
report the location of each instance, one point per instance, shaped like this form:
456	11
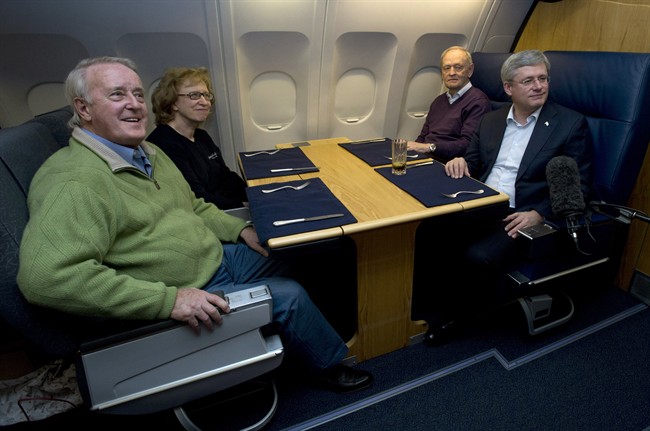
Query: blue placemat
377	153
260	165
426	183
314	200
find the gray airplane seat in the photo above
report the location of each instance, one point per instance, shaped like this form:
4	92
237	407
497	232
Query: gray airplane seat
135	368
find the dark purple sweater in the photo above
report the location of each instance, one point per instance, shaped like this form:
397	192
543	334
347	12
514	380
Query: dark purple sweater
450	127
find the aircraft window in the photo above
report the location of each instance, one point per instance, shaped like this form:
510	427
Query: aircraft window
273	100
423	88
355	95
272	62
34	67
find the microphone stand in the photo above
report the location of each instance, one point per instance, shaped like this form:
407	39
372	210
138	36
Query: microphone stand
573	225
625	214
620	214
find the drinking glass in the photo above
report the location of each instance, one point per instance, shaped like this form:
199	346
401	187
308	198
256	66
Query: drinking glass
399	156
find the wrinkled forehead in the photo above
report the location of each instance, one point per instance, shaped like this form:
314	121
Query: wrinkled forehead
112	75
532	71
455	56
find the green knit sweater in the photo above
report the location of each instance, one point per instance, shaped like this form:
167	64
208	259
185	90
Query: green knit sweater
104	239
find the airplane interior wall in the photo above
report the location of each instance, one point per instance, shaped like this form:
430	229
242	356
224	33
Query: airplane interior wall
282	70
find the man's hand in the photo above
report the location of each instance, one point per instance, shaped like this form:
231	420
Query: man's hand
418	147
249	235
521	220
195	305
457	168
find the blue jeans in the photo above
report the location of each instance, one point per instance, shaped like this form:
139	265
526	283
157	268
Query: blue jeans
305	333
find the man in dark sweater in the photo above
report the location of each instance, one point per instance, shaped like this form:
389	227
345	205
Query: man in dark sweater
454	115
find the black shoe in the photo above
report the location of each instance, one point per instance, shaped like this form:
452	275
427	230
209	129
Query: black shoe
341	378
438	335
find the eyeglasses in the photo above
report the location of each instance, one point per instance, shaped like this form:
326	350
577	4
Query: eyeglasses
456	67
528	82
196	95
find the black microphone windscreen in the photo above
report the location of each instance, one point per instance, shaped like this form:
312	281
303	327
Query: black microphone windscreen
563	178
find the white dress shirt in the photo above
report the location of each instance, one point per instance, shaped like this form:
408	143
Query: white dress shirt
515	140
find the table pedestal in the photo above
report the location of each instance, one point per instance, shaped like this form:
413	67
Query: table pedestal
385	283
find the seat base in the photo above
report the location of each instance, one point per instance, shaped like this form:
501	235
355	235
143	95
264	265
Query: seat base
544	312
248	406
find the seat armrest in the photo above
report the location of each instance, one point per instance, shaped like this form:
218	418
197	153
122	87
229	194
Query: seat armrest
133	329
158	368
243	213
536	241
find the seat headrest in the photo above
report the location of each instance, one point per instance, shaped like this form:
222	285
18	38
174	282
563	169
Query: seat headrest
611	90
57	122
24	148
487	76
601	84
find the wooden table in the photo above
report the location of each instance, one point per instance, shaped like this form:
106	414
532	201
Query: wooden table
385	241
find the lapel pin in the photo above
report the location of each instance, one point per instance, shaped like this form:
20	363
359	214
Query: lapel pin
546	123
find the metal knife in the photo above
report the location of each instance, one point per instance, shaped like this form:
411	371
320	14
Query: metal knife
415	165
367	141
293	169
300	220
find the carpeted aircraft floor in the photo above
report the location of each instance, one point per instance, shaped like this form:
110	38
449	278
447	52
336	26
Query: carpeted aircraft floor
593	372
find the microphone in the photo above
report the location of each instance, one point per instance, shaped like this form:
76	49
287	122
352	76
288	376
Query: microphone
567	201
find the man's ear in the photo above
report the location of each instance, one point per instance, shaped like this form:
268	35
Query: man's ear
83	109
470	70
507	88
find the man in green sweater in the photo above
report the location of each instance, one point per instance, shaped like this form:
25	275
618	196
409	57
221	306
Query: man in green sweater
115	231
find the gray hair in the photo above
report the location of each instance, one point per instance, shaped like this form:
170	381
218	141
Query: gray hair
76	84
459	48
531	57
